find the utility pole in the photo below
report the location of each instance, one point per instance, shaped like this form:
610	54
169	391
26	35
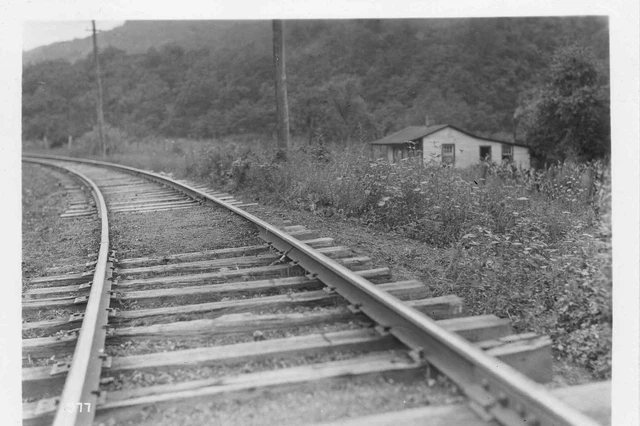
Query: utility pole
103	146
282	110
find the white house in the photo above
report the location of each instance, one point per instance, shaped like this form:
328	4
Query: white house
449	145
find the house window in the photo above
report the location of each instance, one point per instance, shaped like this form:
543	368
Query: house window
448	153
485	153
507	153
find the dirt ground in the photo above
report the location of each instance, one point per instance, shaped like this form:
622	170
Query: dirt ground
47	239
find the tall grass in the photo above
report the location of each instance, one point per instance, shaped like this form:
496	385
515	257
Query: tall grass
531	246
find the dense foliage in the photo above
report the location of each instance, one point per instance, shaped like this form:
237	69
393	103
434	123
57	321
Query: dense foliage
569	115
347	80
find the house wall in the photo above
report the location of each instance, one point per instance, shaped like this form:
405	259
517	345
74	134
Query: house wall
467	149
522	156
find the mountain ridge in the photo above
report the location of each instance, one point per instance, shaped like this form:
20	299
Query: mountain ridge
139	36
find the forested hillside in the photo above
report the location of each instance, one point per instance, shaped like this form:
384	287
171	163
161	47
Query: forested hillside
139	36
347	80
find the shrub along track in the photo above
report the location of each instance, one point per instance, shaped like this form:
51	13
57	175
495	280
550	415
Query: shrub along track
216	316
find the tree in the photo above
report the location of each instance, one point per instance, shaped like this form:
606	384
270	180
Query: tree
308	108
144	107
568	116
442	109
347	111
48	91
346	79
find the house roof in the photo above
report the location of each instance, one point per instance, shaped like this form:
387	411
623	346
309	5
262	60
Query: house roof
409	134
412	133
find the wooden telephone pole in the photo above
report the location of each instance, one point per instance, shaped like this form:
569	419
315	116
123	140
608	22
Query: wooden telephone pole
282	110
103	146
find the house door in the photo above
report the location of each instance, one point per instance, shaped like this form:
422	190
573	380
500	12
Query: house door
485	153
397	154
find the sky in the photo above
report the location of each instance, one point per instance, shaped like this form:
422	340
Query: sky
40	33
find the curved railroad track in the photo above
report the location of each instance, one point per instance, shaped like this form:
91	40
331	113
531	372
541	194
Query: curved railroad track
241	298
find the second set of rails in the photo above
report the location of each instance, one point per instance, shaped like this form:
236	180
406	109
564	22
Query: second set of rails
405	333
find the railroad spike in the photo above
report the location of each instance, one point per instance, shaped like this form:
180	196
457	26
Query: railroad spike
76	316
60	368
102	396
503	399
107	360
47	405
417	355
107	380
355	308
480	412
282	259
382	330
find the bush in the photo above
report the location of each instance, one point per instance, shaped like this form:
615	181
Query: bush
220	164
584	310
116	141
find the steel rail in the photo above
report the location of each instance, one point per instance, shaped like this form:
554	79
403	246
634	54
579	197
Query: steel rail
80	394
496	390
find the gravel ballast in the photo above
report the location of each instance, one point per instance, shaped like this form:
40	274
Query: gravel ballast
47	239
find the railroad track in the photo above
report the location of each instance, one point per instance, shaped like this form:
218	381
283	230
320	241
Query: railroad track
264	311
